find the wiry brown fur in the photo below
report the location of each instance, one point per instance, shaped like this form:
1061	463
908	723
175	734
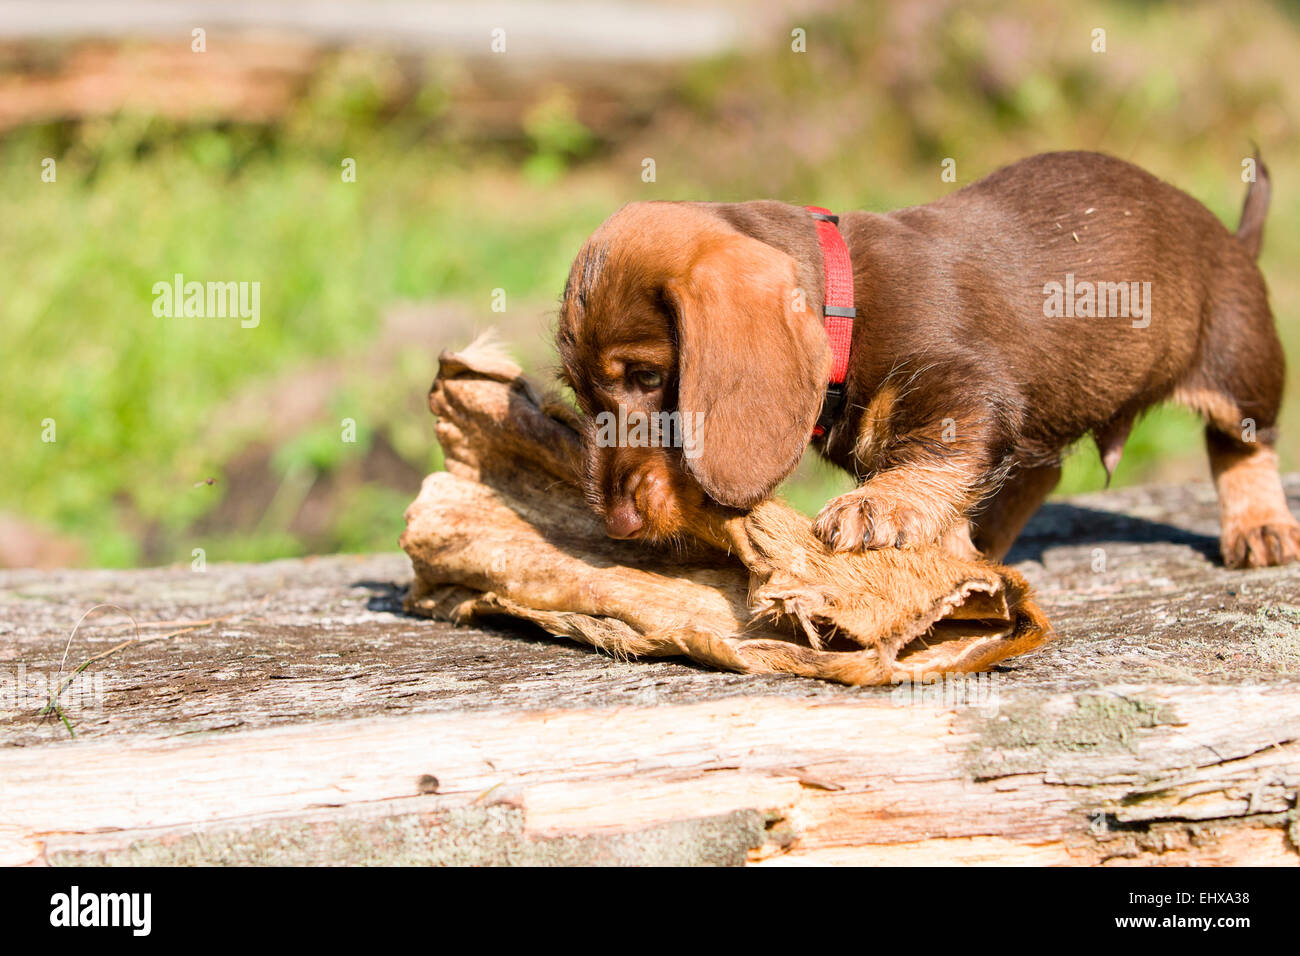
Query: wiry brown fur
961	394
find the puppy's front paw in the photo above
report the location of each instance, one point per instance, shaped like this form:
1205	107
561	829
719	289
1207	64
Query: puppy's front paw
1261	546
863	520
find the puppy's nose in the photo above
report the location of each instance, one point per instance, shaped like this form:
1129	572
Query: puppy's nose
622	520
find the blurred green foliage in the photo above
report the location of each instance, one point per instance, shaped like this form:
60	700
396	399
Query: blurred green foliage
444	209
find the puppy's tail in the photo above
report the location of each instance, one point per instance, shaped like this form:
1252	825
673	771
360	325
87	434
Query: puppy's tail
1251	228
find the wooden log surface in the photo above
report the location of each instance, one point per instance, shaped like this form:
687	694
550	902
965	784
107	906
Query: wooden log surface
310	721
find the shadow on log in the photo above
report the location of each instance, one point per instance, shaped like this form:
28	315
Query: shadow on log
505	532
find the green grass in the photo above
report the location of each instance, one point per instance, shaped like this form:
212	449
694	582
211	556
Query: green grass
132	395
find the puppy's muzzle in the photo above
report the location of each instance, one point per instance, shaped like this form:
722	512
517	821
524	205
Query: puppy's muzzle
635	508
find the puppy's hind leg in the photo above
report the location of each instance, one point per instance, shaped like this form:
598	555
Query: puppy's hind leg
1258	530
1237	388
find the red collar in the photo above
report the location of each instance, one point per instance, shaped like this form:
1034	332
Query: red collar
838	312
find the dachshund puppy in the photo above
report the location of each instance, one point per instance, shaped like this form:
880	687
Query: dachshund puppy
1058	297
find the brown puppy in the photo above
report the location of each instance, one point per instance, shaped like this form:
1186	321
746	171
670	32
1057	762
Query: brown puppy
1060	296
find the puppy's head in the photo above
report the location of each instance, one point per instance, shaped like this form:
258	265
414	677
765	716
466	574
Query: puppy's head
698	366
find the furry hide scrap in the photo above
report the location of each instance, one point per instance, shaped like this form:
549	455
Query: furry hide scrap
504	532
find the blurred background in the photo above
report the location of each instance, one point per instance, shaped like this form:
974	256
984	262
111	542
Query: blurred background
485	140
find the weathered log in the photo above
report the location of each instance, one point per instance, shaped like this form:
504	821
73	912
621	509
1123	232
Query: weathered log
505	532
291	713
314	722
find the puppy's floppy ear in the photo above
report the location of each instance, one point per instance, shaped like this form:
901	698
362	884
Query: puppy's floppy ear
750	363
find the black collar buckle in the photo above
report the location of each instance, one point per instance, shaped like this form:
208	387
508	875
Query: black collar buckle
831	405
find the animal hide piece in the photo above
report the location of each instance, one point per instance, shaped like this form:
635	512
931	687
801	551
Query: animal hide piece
504	532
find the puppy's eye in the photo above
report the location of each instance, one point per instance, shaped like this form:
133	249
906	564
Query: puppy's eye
647	379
